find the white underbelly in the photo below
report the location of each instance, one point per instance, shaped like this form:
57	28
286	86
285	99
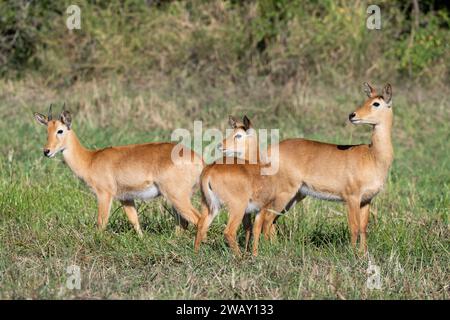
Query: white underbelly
145	194
369	195
306	191
252	207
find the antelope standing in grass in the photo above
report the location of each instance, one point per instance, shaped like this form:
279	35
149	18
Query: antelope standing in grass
353	174
126	173
239	186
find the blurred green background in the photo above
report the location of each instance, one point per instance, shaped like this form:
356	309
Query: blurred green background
226	40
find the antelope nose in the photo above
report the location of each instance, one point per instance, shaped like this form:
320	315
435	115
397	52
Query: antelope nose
46	152
351	116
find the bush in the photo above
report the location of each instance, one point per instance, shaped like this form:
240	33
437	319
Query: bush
222	41
424	52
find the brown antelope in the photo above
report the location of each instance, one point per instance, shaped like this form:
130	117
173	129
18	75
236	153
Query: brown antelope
353	174
126	173
240	186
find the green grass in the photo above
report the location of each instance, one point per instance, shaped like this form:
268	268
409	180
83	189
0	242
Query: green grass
47	216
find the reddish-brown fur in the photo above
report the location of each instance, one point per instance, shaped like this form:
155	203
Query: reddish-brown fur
353	174
126	172
238	186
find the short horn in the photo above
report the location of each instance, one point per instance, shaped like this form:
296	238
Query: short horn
64	106
49	116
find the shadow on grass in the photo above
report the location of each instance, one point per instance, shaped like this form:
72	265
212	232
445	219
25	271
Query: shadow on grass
152	221
326	235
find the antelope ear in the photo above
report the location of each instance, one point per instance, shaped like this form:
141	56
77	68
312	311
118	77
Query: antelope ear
66	118
247	123
40	118
369	90
387	94
232	121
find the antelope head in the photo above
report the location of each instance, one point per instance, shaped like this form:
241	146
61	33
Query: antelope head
243	138
377	109
57	130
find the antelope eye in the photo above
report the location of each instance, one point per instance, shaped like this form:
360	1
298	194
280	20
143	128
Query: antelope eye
238	136
59	132
376	104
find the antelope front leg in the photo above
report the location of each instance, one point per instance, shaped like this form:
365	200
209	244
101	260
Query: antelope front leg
257	226
268	224
104	206
363	222
353	205
247	221
130	210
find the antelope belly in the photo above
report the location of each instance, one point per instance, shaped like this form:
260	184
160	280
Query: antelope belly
252	207
306	191
145	194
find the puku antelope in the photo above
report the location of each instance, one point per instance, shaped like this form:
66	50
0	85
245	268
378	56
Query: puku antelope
237	184
353	174
126	173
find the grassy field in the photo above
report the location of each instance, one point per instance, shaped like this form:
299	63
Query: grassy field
47	216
